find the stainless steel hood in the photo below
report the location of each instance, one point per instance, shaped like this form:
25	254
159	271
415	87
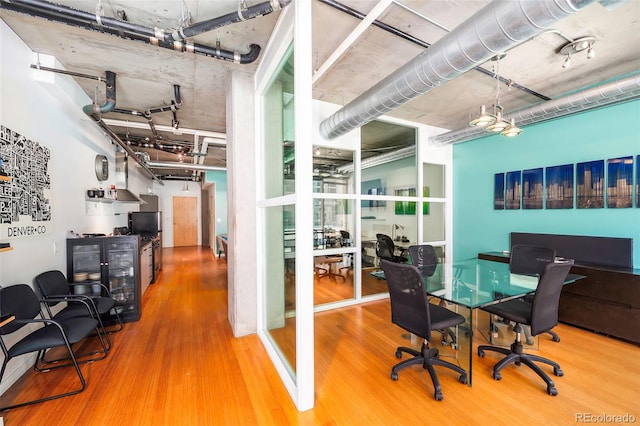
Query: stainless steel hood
122	179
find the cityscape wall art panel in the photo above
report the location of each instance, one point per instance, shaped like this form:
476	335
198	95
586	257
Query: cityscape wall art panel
590	184
620	182
513	190
532	189
559	187
498	191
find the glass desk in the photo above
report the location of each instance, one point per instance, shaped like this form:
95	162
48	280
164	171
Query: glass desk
472	284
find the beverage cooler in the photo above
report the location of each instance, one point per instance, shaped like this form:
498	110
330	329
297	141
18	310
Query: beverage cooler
111	261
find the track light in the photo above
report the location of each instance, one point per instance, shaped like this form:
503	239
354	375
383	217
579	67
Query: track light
578	45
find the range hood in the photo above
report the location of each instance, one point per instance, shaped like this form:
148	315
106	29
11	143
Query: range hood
122	179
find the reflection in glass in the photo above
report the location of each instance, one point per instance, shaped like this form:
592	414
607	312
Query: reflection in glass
279	149
280	280
332	170
433	222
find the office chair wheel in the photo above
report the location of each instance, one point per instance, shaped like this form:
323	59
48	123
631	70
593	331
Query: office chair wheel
398	354
552	391
438	396
394	376
558	372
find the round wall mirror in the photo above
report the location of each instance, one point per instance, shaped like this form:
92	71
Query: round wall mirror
102	167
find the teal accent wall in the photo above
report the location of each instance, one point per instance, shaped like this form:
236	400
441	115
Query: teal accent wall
220	179
595	135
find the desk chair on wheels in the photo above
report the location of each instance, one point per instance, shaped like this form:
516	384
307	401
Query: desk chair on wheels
541	314
386	249
411	311
531	260
425	258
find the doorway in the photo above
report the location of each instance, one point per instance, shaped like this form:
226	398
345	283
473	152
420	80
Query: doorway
185	221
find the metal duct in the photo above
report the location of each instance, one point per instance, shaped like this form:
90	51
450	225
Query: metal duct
183	166
376	160
622	90
496	28
158	37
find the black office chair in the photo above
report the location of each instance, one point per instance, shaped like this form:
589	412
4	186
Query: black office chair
385	249
21	301
531	260
411	311
345	241
54	289
424	257
541	315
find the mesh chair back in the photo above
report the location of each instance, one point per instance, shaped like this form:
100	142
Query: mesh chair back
384	247
21	301
425	257
52	283
530	260
409	306
544	312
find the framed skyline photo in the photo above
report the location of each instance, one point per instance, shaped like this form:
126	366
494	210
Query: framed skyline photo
532	188
620	182
498	191
590	184
559	187
513	190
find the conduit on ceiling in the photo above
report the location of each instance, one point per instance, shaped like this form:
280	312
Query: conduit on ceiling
169	39
496	28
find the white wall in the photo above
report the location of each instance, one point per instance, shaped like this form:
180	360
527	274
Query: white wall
51	114
165	204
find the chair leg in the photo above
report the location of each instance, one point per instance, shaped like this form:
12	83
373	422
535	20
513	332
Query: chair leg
83	383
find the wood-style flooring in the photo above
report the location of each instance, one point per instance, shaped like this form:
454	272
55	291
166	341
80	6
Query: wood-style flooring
181	365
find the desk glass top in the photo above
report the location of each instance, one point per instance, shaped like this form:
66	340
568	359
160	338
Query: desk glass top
474	283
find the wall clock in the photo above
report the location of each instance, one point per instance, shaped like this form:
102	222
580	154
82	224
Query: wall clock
102	167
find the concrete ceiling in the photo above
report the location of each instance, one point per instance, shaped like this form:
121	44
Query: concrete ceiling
146	73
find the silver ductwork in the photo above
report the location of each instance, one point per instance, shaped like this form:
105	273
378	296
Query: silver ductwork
622	90
122	179
496	28
183	166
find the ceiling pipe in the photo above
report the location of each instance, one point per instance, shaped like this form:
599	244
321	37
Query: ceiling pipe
183	166
91	21
95	111
623	90
406	36
494	29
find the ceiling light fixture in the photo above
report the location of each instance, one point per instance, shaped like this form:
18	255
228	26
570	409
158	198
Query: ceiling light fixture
578	45
495	123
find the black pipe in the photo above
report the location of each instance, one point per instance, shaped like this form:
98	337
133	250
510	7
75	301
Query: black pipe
395	31
110	101
122	29
230	18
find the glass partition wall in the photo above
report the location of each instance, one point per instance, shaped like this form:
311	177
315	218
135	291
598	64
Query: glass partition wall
278	216
389	196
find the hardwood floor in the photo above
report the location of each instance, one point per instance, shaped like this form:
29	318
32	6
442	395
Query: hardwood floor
180	365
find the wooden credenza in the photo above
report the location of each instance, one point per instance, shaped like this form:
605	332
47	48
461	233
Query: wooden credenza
607	301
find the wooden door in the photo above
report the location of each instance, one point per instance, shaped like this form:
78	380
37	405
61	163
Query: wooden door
185	221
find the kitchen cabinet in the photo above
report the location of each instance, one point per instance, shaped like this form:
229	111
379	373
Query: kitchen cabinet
113	262
146	266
